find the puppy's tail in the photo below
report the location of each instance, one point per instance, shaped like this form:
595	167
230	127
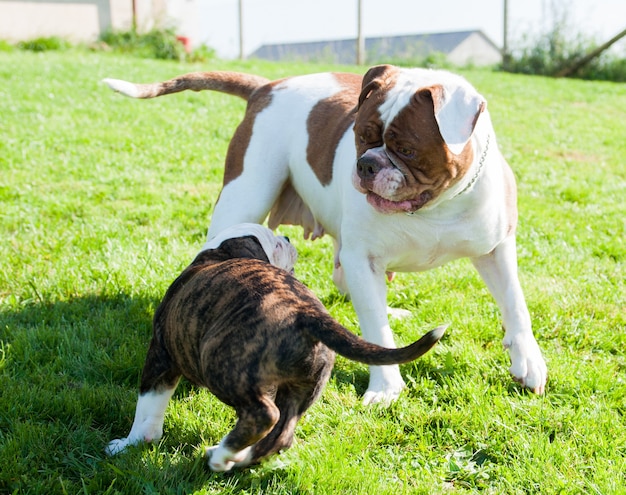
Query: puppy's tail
344	342
233	83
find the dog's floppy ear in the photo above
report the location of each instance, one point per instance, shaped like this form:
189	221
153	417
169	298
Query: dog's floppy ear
248	246
374	79
456	111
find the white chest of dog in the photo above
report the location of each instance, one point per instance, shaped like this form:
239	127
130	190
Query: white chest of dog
401	167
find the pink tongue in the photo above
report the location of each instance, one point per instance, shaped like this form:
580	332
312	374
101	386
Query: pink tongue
385	206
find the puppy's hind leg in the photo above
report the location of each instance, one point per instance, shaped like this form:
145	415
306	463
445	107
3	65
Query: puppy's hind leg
292	401
148	423
254	422
158	382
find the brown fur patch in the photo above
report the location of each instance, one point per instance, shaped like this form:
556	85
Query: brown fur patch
416	129
327	124
376	78
413	143
241	140
290	209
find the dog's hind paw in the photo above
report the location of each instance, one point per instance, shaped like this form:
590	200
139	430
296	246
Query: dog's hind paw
222	459
386	385
216	460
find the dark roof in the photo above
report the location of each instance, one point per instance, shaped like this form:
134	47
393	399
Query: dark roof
344	51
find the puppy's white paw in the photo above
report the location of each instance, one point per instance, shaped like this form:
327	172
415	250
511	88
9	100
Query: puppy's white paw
217	459
116	446
527	364
222	459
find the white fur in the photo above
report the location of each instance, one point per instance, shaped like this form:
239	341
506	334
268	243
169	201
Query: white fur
277	248
221	458
148	423
124	87
368	243
387	182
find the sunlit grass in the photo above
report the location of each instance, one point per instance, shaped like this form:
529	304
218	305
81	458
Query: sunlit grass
103	200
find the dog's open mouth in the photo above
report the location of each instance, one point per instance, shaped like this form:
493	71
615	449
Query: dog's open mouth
407	206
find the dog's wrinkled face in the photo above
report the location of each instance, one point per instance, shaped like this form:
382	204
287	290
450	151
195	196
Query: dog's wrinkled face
278	249
412	135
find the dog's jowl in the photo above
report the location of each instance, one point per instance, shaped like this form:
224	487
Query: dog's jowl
237	322
401	167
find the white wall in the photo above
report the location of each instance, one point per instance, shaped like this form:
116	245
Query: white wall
84	20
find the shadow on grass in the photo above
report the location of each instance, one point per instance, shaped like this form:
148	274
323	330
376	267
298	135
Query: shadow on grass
67	370
70	372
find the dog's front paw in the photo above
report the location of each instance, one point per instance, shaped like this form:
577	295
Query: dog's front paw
116	446
527	364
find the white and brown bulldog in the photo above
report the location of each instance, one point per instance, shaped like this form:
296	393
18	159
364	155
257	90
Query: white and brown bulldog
401	167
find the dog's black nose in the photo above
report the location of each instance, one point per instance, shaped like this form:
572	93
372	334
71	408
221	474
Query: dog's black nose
287	239
367	167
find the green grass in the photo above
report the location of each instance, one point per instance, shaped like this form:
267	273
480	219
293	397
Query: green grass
103	200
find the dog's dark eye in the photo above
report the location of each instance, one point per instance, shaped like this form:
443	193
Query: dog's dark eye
287	239
369	134
406	152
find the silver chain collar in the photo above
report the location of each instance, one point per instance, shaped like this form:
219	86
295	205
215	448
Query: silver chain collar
481	163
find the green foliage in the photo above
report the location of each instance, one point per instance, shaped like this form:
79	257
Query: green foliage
156	43
5	46
434	60
607	67
104	199
559	47
201	54
553	52
44	44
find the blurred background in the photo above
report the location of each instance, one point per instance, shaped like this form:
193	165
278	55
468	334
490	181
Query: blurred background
455	32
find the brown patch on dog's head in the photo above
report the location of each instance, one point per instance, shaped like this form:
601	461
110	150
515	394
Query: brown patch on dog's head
328	122
377	78
406	162
414	142
368	129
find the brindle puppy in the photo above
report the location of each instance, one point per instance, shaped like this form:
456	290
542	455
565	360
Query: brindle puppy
237	322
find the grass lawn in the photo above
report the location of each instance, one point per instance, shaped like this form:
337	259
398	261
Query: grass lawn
104	199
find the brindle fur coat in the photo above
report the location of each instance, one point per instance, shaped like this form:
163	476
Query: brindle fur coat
258	339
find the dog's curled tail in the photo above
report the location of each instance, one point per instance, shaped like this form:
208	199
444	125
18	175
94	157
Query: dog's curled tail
233	83
347	344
